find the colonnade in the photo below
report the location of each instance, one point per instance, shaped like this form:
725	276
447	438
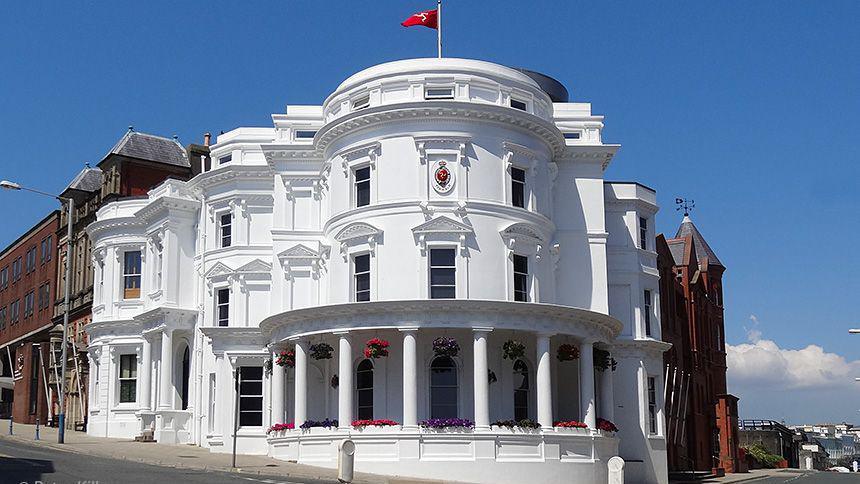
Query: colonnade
543	383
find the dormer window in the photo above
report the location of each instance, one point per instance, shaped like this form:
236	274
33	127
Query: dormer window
573	135
225	159
519	104
361	103
305	134
439	93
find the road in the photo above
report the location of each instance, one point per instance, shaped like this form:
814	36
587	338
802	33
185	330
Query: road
811	478
24	463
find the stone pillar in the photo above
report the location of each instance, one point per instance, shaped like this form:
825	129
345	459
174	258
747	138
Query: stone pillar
345	385
544	382
607	395
301	377
146	375
586	384
279	378
481	384
166	400
410	378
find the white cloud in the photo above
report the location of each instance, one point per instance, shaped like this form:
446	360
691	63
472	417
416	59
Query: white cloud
762	363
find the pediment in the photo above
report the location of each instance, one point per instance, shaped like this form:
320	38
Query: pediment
442	225
356	230
523	231
256	266
219	269
299	251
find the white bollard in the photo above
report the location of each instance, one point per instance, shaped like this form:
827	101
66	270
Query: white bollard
616	470
345	460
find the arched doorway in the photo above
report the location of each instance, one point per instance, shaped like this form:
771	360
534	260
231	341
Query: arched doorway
443	388
186	376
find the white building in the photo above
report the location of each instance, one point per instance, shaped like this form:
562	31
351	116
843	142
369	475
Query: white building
425	198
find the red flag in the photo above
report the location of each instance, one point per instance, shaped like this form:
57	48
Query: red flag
427	18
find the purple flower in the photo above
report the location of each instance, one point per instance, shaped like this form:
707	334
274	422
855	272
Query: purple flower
315	423
444	423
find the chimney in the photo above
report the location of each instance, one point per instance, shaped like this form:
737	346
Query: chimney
207	138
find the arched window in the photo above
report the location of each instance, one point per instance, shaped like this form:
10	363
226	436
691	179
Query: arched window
186	375
364	387
521	390
443	388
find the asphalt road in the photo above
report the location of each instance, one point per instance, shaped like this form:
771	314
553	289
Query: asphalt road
28	464
811	478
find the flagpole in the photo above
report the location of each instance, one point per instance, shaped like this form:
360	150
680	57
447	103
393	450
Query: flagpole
439	26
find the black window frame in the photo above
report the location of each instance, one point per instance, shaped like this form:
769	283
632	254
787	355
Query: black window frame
128	383
222	307
521	277
361	277
436	370
437	271
643	233
518	187
225	230
132	280
250	388
364	390
361	185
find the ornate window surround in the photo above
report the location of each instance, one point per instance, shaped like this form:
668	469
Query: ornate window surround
358	236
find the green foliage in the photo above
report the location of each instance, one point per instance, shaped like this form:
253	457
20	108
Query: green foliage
762	456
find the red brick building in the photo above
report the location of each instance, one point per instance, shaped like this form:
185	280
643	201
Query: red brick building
701	416
28	269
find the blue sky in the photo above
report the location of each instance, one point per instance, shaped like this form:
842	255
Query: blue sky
750	108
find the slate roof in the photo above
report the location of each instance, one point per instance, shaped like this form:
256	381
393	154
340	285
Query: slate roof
702	247
88	180
149	147
676	247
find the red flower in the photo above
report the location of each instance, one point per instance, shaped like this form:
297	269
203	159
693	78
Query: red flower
572	424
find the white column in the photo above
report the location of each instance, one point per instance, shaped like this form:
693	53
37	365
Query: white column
166	402
481	380
301	377
278	383
410	378
345	385
586	384
607	395
146	375
544	382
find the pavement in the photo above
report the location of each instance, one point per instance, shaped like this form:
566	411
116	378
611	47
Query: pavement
46	460
773	476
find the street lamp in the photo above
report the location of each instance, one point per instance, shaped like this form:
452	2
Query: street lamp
70	204
854	331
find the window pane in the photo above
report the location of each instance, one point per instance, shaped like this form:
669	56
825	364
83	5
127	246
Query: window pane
521	264
128	366
362	282
127	391
362	263
132	262
364	379
365	398
251	388
442	277
521	398
442	257
250	403
252	373
442	293
443	411
250	419
362	194
362	174
223	296
365	413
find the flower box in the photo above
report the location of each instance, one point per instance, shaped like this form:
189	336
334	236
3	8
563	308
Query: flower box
460	425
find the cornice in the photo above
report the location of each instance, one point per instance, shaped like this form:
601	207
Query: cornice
167	204
97	229
632	348
227	173
597	325
588	153
451	110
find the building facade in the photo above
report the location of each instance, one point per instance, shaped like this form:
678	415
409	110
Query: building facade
28	269
435	242
702	416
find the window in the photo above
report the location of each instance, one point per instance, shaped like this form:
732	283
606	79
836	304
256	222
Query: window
361	103
305	134
44	296
35	353
46	249
573	135
131	275
364	388
31	260
226	228
28	304
4	278
14	310
361	277
442	274
127	378
3	318
518	187
186	374
521	390
643	233
652	405
517	104
521	278
439	93
225	159
159	265
362	186
647	310
16	269
250	396
443	388
223	306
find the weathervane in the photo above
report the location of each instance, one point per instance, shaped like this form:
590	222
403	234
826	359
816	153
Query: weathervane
685	204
